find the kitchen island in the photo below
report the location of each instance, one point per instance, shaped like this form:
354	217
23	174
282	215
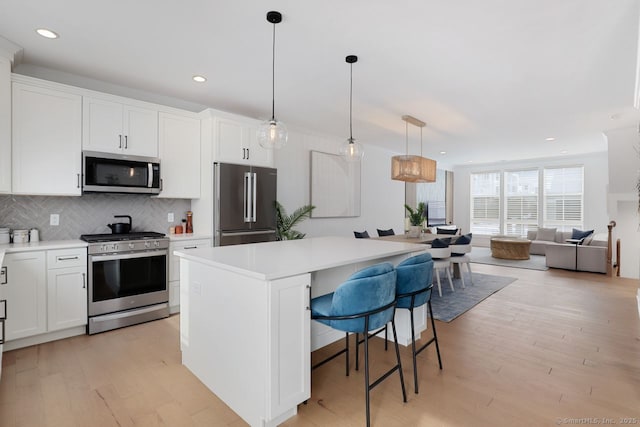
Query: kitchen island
245	328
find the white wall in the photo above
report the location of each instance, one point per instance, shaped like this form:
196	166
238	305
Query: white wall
596	176
382	198
624	163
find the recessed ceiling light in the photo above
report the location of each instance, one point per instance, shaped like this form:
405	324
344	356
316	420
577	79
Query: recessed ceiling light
469	161
443	152
564	152
47	33
550	139
199	79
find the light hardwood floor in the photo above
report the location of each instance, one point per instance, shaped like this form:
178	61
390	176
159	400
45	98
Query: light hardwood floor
552	348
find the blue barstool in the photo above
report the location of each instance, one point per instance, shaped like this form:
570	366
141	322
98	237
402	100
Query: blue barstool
413	289
364	302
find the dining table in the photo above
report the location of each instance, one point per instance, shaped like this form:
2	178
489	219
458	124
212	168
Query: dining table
424	238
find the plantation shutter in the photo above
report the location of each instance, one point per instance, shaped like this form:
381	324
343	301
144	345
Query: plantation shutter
485	203
521	204
564	198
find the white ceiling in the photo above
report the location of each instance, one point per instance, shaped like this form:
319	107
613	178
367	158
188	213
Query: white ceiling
491	78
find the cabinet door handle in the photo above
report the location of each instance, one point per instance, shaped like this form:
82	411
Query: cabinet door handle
190	247
247	154
244	154
126	142
67	258
3	311
78	180
84	280
120	144
161	184
4	273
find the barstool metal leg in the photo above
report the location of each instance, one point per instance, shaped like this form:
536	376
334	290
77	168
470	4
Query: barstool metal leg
413	351
435	336
395	341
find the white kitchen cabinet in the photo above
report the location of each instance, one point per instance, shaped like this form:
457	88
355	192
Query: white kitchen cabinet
110	126
26	293
174	268
236	142
179	146
66	288
5	125
46	141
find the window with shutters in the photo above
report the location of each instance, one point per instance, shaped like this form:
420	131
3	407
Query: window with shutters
485	202
521	202
564	198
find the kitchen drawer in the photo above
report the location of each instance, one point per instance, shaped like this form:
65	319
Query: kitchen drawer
174	263
62	258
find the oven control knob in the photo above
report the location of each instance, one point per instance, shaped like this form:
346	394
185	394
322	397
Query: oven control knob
156	244
131	246
147	244
103	248
115	247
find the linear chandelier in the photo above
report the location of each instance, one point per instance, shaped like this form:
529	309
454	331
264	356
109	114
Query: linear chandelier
410	168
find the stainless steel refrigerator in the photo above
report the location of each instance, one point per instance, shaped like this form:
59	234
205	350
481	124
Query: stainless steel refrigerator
244	204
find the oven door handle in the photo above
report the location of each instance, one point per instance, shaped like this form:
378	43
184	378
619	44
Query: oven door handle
110	257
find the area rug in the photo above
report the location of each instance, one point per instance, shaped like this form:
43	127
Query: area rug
453	304
483	256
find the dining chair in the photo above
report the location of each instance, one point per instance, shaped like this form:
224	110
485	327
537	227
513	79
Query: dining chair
413	289
366	301
388	232
459	255
440	251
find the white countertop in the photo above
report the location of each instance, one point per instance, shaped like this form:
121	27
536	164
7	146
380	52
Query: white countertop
275	260
190	236
43	245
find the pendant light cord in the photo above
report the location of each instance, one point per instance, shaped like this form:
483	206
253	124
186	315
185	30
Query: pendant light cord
273	75
351	105
406	136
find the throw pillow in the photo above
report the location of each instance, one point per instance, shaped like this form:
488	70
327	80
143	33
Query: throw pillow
463	240
446	230
579	234
548	234
441	243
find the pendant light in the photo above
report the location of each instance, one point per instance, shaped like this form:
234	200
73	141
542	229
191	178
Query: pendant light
350	150
273	133
410	168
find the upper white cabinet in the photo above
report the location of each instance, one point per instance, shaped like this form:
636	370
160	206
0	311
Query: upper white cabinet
5	125
179	144
236	142
46	140
115	127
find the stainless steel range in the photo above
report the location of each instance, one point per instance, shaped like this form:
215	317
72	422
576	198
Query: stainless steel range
128	279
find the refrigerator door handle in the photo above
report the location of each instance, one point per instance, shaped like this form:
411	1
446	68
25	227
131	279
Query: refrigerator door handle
247	197
254	192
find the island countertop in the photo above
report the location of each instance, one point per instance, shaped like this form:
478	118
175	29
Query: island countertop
276	260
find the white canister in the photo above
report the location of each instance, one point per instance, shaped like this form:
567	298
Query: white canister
20	236
34	235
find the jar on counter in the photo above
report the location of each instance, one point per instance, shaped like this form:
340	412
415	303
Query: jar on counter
189	226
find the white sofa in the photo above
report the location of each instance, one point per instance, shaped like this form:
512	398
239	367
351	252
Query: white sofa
590	256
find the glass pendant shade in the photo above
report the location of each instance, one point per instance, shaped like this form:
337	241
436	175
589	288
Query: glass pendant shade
351	151
272	134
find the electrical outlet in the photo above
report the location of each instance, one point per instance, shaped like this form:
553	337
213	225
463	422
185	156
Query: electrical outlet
170	217
54	219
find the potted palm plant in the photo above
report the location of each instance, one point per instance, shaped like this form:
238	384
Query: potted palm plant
416	218
285	222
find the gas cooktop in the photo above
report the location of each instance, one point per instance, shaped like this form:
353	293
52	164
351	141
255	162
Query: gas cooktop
136	235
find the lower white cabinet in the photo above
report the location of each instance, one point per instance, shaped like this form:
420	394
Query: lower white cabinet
174	268
66	288
46	291
26	293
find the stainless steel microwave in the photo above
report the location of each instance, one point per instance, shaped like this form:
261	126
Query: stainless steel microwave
117	173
